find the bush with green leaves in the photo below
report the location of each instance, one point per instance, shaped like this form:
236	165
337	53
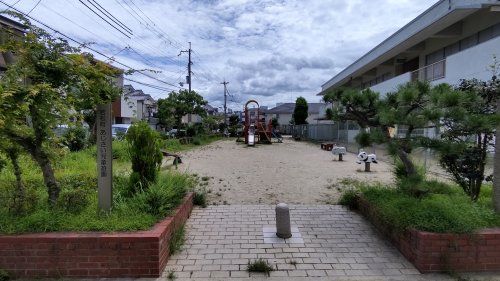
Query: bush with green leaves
200	198
144	149
73	200
349	198
75	138
4	275
443	209
160	198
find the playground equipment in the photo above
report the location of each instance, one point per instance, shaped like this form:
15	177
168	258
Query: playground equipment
256	130
339	150
366	158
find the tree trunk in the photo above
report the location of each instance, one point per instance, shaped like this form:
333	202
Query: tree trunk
48	176
496	168
20	193
411	171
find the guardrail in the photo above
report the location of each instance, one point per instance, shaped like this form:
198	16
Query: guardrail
430	72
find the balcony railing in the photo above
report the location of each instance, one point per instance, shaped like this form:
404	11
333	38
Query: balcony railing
430	72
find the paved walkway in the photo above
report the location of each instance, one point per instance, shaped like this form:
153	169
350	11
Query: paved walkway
337	245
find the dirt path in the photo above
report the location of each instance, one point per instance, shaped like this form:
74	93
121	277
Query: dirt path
291	172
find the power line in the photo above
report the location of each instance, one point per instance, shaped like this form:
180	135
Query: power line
36	5
149	85
110	16
87	47
97	14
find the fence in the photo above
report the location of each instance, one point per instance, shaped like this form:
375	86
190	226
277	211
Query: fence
344	133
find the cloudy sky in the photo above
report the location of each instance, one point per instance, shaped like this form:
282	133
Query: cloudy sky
269	50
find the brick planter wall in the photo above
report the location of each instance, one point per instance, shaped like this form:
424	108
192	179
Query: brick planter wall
93	254
435	252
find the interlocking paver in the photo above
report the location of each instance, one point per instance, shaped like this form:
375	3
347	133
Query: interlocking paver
338	244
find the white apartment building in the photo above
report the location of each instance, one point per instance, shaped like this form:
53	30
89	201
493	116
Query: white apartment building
452	40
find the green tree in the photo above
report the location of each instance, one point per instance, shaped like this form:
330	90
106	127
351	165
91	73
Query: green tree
42	88
469	115
12	151
234	121
274	122
378	117
178	104
300	113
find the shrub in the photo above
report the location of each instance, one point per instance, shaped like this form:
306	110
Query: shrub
75	138
259	265
73	200
120	150
440	213
200	199
145	154
4	275
349	198
197	141
160	198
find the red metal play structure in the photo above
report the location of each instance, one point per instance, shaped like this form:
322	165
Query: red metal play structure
256	130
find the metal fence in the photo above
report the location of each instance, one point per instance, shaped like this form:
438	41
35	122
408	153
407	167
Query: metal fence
344	134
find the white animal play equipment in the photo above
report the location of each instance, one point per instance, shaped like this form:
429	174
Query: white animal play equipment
339	150
366	158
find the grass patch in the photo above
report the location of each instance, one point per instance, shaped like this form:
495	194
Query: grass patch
177	240
259	265
443	209
200	198
76	209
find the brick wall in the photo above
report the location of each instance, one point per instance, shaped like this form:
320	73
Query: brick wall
93	254
435	252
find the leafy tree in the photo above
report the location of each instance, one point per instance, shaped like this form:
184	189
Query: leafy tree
234	121
178	104
12	151
468	115
378	117
144	149
210	122
274	122
300	113
46	86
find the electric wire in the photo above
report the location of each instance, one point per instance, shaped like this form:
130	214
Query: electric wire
110	16
97	14
34	7
88	47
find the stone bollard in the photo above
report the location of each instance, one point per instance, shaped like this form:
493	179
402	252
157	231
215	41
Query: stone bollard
283	228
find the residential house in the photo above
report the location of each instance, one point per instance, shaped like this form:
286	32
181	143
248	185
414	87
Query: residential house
133	104
284	113
195	118
8	27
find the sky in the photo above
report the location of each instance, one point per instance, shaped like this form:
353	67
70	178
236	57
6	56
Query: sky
272	51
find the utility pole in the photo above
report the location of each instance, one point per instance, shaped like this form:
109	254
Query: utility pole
188	78
225	102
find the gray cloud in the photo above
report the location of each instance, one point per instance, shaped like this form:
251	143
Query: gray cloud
271	50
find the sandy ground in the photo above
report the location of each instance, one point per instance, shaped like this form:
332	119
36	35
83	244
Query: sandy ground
291	172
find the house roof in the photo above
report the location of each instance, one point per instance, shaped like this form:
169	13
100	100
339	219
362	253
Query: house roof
130	91
5	21
288	108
